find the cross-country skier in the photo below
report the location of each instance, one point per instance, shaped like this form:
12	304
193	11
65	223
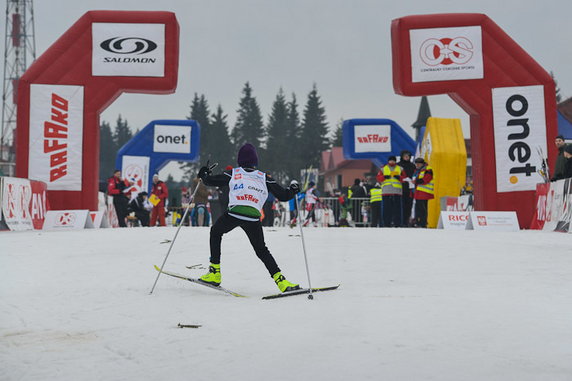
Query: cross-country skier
249	189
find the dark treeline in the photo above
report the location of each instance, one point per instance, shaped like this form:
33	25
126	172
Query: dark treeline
289	140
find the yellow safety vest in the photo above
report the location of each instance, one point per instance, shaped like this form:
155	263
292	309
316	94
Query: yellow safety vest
427	188
375	195
389	180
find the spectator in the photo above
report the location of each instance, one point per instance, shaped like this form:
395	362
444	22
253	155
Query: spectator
159	195
200	213
424	190
391	178
375	205
141	206
568	165
311	200
356	192
406	197
118	188
560	159
268	209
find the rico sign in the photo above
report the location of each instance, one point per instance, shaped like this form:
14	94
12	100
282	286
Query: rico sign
56	131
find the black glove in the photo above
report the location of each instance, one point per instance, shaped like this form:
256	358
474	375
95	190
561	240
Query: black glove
419	181
295	188
204	172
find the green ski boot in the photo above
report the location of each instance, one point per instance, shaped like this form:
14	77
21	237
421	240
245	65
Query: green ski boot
213	276
283	284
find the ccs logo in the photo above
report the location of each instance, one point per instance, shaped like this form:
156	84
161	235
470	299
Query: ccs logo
446	51
128	45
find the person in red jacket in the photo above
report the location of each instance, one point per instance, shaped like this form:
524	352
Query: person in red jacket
117	188
161	192
424	190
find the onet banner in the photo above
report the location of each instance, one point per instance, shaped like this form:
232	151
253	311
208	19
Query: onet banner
374	139
60	97
159	143
509	97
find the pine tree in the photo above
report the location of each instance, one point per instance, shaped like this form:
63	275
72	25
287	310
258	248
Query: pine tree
249	127
107	152
277	146
558	95
122	133
200	113
222	151
294	130
337	139
314	138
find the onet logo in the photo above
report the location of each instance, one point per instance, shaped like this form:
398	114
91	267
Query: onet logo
168	139
128	45
446	51
519	151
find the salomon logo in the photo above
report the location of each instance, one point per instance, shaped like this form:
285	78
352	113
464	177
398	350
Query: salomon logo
128	45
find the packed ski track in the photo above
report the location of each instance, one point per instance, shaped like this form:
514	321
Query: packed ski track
413	304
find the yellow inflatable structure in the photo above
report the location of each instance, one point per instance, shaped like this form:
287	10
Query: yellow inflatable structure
443	147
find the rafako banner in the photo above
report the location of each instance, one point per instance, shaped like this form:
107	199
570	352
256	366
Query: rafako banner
446	54
56	136
520	134
372	138
129	50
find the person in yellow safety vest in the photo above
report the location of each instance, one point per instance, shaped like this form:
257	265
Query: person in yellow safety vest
391	178
375	205
424	190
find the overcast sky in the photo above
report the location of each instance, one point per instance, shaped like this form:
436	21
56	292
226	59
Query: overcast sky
343	46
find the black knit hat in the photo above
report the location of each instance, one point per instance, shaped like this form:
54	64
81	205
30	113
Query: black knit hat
420	160
392	158
568	148
247	156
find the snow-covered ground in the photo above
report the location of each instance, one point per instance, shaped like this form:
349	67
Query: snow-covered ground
413	304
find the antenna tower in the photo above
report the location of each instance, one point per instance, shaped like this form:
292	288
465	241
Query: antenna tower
19	47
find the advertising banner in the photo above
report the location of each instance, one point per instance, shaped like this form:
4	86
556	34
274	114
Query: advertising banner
520	133
56	136
495	221
372	138
446	54
66	219
3	225
128	49
39	203
453	220
136	169
16	198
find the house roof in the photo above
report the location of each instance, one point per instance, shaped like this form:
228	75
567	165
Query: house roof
334	160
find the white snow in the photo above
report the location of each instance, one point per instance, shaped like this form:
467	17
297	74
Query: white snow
413	304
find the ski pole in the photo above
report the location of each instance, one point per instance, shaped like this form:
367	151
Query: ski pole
311	296
179	228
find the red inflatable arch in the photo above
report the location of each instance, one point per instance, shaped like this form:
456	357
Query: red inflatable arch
61	95
510	98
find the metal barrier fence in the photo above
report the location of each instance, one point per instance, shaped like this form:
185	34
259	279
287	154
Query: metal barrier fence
329	212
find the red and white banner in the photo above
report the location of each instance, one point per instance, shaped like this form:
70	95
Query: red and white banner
16	198
67	220
553	206
136	169
453	220
39	204
56	136
494	221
